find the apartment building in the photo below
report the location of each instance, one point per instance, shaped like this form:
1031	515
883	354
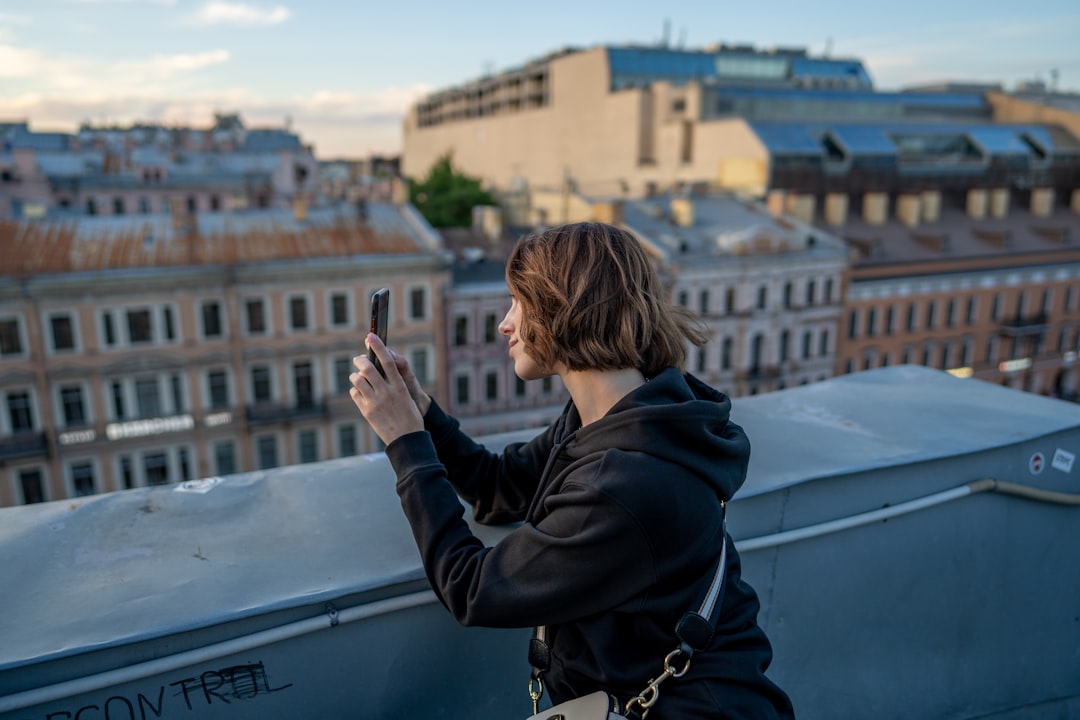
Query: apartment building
482	390
151	169
134	352
626	121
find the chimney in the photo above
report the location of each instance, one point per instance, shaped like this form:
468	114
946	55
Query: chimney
1042	202
682	212
908	209
931	205
608	212
488	220
399	191
775	202
836	208
875	207
801	207
999	203
976	203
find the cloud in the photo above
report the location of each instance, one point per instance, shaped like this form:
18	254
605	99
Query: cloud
169	64
167	3
219	13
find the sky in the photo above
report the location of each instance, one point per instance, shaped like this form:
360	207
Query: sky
342	73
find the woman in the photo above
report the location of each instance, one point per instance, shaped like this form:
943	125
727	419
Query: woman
621	497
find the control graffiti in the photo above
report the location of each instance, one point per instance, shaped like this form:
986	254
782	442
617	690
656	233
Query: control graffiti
213	687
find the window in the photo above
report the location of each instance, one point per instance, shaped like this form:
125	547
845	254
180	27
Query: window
703	302
32	486
729	300
991	349
547	385
911	312
519	387
807	343
461	331
118	206
225	457
108	329
342	369
260	384
20	412
127	473
995	308
871	322
811	290
853	324
184	460
71	402
418	303
972	316
218	384
147	398
757	352
702	357
82	479
63	332
785	342
890	320
1070	298
211	319
725	353
823	346
10	338
491	332
950	313
491	385
176	383
156	467
346	440
684	298
256	316
762	297
461	386
339	309
307	446
787	295
167	316
965	353
144	205
418	361
140	327
931	314
828	290
1047	300
119	411
303	384
266	450
298	314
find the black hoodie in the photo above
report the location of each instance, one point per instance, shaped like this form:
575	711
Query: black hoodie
621	533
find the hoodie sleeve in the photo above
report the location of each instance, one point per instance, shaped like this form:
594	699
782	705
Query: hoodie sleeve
498	486
586	555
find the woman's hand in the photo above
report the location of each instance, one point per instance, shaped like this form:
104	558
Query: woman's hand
388	404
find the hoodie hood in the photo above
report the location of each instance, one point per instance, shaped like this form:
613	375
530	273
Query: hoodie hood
675	418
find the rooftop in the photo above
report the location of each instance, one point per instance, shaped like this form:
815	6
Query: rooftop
103	243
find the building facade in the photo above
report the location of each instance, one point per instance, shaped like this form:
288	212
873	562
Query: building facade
135	355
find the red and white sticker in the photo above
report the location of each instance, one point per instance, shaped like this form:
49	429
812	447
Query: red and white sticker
1036	463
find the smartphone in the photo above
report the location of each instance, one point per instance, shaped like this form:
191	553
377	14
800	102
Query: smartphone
380	311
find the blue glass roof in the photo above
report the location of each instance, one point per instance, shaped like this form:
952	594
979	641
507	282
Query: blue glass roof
661	63
878	138
822	67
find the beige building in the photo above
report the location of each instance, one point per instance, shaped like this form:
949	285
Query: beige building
133	353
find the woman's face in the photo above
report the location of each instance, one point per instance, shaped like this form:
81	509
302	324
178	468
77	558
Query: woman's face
524	366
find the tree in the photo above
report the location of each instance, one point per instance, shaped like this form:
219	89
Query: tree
446	197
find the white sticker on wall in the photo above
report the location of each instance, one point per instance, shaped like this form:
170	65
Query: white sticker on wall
202	486
1063	460
1037	463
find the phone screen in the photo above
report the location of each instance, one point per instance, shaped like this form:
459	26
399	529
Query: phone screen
380	310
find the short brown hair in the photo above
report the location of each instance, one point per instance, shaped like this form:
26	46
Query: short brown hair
591	299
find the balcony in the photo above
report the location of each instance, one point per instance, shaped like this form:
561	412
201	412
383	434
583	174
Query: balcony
24	445
1022	325
270	413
